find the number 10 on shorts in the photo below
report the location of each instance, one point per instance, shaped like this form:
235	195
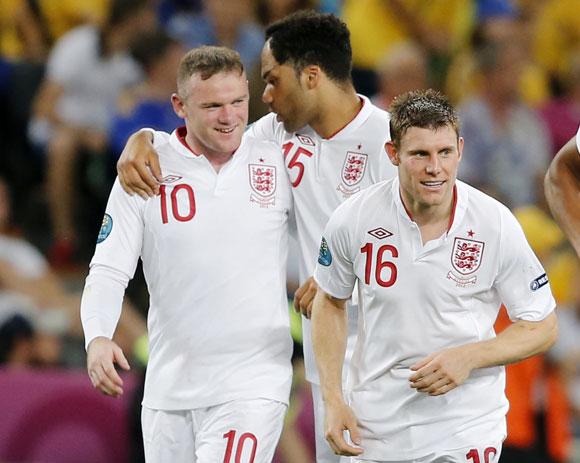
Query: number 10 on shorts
247	440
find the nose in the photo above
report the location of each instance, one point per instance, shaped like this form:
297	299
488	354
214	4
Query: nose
226	114
433	165
267	96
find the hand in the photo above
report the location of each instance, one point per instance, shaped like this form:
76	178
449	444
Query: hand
102	354
138	167
304	297
339	418
442	371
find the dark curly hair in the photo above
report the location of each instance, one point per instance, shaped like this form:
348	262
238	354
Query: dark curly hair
308	37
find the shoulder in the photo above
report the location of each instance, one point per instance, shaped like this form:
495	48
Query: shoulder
368	199
487	208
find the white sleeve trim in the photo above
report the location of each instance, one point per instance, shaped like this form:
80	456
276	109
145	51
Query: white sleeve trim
102	301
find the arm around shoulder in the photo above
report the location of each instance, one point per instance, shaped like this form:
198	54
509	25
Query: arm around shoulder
138	167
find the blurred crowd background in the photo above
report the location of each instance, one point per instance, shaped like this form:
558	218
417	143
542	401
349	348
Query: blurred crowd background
77	77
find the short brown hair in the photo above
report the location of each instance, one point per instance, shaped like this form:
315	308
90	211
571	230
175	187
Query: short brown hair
427	109
207	61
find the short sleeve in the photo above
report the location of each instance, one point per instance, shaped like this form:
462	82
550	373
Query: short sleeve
120	238
522	282
334	270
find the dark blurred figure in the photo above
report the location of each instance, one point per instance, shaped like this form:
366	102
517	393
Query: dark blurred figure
86	71
148	104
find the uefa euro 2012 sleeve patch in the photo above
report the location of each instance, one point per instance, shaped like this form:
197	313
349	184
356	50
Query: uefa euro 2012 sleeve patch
106	228
324	255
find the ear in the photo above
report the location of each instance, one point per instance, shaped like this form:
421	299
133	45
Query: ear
312	75
177	104
392	153
460	143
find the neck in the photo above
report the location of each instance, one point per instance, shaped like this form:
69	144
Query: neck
433	221
216	159
343	105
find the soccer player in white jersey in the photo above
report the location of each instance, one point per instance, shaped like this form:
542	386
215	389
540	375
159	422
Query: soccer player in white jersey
562	187
434	260
332	142
213	246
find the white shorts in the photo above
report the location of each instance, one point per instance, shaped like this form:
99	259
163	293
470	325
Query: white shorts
240	431
483	454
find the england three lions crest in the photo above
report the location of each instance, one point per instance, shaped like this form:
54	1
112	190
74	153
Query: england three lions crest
466	255
353	171
263	184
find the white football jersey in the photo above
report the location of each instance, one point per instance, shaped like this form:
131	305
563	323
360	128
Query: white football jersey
416	299
214	248
323	173
578	139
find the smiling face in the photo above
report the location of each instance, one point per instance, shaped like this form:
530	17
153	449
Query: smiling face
427	160
286	93
215	111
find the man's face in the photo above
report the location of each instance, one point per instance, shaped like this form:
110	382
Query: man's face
215	111
428	161
285	92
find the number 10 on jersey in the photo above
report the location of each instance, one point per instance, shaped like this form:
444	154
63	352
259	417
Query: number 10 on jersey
187	191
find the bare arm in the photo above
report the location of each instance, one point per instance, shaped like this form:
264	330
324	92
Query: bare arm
443	371
562	187
46	101
138	167
329	331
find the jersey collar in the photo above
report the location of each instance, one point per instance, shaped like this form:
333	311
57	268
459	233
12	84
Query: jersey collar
460	198
363	114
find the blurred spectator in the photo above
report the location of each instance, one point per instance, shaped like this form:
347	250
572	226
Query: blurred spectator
439	26
28	284
149	103
16	340
402	69
228	24
506	151
22	33
566	353
538	419
556	34
497	21
86	71
268	11
562	115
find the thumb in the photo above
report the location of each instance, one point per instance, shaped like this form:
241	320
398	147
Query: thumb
120	359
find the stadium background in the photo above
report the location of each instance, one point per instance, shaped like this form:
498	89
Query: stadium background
511	67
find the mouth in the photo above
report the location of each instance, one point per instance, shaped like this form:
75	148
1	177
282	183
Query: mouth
226	131
432	184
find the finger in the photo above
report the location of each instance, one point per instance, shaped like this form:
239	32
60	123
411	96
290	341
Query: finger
421	363
140	178
120	359
434	386
101	382
354	433
145	173
308	311
155	168
422	372
111	381
443	389
124	184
